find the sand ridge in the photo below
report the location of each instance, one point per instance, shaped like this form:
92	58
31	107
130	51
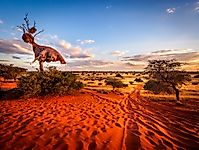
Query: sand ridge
90	120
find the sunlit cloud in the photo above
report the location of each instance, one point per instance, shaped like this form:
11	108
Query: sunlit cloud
65	44
171	10
74	51
85	41
189	56
78	52
14	47
117	53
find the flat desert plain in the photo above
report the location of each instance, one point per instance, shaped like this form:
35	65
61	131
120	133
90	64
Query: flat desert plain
98	118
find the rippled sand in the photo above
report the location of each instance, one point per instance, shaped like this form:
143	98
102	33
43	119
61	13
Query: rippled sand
90	120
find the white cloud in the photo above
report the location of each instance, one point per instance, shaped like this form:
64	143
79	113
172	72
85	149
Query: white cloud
171	10
78	52
117	53
197	7
65	44
86	41
74	51
1	21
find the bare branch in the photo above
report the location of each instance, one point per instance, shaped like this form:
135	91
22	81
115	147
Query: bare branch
38	33
27	21
34	23
22	28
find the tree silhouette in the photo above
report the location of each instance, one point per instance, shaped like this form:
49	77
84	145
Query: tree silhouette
42	53
166	76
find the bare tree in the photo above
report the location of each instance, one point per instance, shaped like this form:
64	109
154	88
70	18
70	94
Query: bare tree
42	53
166	76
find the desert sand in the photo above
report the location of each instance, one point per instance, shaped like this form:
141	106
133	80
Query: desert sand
89	120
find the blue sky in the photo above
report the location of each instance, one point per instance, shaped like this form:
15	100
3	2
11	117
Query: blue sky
101	32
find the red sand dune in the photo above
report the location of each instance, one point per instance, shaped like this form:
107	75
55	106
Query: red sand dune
91	120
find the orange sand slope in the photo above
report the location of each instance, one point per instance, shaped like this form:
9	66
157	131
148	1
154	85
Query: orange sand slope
95	121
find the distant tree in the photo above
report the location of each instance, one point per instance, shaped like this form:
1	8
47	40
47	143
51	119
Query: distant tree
138	80
115	83
119	76
166	76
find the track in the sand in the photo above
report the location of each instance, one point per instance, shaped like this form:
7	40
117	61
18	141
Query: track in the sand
96	121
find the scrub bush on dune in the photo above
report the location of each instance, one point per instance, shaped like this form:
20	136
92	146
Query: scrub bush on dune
50	82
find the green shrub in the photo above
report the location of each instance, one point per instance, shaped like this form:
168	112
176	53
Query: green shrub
10	71
115	83
49	82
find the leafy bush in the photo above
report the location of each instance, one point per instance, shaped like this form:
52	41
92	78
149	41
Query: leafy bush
119	76
49	82
157	87
115	83
125	85
10	71
138	80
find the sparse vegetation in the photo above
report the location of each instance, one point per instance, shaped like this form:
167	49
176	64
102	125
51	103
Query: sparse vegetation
119	76
166	76
131	82
196	76
99	83
115	83
103	91
49	82
195	83
138	80
10	71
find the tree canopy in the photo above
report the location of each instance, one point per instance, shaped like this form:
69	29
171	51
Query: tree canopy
166	76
